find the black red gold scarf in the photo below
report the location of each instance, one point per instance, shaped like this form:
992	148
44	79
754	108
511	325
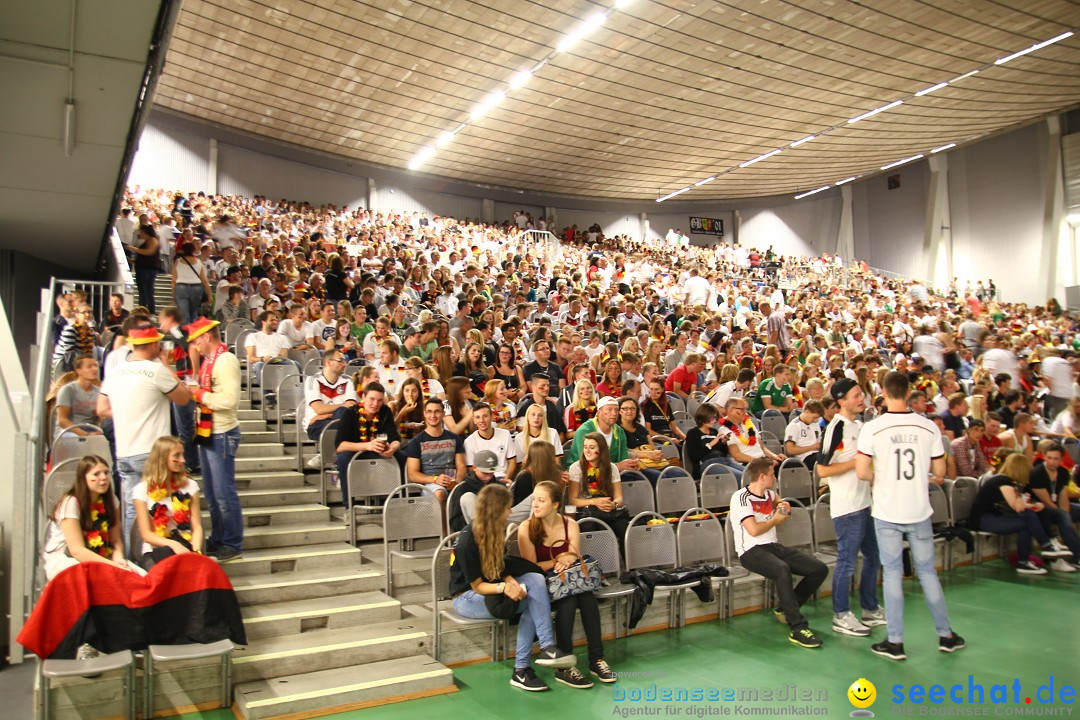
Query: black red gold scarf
206	416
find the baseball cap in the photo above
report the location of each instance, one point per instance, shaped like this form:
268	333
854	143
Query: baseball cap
605	401
486	461
842	387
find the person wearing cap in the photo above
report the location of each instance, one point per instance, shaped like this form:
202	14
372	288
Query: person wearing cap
410	343
606	423
462	504
849	507
144	388
217	433
489	438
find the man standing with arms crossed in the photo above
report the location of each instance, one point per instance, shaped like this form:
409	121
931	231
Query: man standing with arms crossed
217	433
898	452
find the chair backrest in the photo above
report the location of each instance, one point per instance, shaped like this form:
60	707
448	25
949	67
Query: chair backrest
440	570
685	424
328	442
693	403
238	342
312	367
939	504
795	480
290	392
632	476
675	403
699	540
961	498
772	421
718	484
1072	447
730	556
771	441
272	375
59	480
69	446
303	356
599	541
674	471
410	517
637	496
372	477
798	531
675	493
232	331
351	370
650	546
824	529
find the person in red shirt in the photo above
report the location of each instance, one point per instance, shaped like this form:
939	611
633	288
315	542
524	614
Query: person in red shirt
990	442
683	380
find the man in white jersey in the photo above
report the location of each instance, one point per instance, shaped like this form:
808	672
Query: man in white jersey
898	452
849	505
756	511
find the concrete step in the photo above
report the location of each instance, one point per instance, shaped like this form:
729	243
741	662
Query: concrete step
279	496
305	584
315	533
277	657
254	425
260	435
249	415
287	478
327	691
260	449
255	464
296	617
281	516
281	561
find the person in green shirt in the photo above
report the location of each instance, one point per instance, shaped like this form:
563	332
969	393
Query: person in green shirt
361	328
605	423
776	392
428	344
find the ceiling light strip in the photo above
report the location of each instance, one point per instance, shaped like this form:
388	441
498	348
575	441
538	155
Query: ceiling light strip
875	111
806	139
932	88
1033	48
943	148
913	158
846	180
759	158
671	195
813	192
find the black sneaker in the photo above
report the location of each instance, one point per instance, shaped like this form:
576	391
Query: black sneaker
893	651
805	638
225	553
573	678
951	644
601	671
552	656
525	678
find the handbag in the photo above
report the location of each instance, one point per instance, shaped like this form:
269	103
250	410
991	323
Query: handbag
205	297
582	577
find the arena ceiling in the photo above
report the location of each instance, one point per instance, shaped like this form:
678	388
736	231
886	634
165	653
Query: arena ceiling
661	95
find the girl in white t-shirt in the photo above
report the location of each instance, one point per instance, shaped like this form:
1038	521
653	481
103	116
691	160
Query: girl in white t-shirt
167	505
85	525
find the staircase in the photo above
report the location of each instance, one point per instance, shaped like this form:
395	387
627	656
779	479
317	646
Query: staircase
322	635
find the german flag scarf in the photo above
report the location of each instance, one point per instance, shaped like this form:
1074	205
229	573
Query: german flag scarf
205	424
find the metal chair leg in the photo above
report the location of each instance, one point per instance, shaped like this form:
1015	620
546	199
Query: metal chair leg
148	685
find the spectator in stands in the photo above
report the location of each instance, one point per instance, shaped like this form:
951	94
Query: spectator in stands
582	405
775	393
408	408
736	387
116	313
970	460
147	251
480	570
605	423
190	286
1001	507
535	427
738	431
435	458
235	307
296	329
143	388
76	403
595	488
77	338
218	434
637	437
554	543
657	414
849	507
327	395
1019	438
802	438
955	416
1047	482
683	380
756	511
540	386
542	364
367	428
267	346
705	446
167	506
493	439
180	355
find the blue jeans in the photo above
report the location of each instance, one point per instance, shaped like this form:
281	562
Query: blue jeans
1056	516
219	487
535	619
188	298
144	281
854	533
920	537
184	418
131	470
1026	525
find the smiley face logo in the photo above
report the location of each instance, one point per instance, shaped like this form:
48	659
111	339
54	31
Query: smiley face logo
862	693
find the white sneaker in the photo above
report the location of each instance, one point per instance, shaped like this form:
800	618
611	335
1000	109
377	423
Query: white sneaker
1027	567
1063	565
1056	548
87	652
315	462
874	618
848	624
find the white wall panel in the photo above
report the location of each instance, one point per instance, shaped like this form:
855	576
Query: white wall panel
243	172
172	159
406	200
889	224
803	228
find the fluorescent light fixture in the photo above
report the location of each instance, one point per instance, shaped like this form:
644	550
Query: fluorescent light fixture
806	139
671	195
813	192
958	78
444	138
421	157
932	88
759	158
487	104
875	111
699	183
943	147
520	79
1033	48
901	162
590	24
845	181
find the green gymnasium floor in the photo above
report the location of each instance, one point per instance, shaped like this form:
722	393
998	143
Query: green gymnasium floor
1017	628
